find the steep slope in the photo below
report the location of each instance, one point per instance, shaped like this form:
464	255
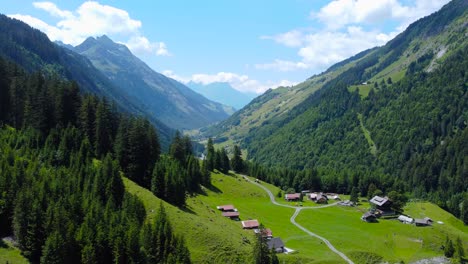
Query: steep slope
223	93
32	50
395	115
175	104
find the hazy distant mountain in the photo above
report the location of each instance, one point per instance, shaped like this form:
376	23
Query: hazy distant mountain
172	102
223	93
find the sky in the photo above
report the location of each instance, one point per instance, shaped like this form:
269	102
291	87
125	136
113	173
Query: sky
253	45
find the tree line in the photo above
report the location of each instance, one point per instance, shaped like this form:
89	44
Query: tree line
61	191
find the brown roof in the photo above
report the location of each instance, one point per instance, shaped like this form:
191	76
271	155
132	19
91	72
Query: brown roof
250	224
291	196
229	207
267	232
231	214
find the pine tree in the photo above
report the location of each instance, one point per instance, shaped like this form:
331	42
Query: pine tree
103	129
210	155
237	164
354	197
449	249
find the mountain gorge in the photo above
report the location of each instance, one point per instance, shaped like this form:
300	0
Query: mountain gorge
396	115
173	103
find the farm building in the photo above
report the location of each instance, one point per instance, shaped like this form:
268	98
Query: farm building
226	208
405	219
321	198
276	244
292	197
369	217
346	203
232	215
250	224
266	233
313	196
423	222
382	204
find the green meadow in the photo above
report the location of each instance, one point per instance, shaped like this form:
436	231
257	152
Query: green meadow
212	238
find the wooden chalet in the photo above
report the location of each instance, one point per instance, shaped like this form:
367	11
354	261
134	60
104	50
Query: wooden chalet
290	197
226	208
382	204
321	198
277	244
369	217
232	215
313	196
423	222
265	233
250	224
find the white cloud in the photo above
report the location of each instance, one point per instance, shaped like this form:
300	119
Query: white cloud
282	65
339	13
94	19
350	26
142	46
293	38
240	82
52	9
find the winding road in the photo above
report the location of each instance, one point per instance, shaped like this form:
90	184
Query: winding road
296	213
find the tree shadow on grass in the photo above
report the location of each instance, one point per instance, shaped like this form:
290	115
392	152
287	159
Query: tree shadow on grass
3	244
187	210
211	188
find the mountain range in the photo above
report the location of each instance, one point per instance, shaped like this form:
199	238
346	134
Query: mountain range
110	70
396	113
223	93
176	105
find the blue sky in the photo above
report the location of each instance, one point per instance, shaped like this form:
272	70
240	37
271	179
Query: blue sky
254	45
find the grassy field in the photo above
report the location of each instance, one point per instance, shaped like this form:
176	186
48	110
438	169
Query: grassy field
212	238
388	239
9	254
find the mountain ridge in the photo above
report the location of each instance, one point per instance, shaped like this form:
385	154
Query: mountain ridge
175	104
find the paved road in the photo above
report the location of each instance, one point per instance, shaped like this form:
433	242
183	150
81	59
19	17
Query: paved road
296	213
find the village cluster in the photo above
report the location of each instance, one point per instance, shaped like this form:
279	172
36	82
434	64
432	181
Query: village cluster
273	242
318	197
381	207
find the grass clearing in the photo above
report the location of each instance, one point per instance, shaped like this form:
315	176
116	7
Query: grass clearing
363	89
372	146
10	254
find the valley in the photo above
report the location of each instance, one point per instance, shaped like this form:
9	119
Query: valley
318	133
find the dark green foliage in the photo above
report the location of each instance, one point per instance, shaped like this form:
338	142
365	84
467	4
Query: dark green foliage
260	250
237	164
398	201
449	249
459	251
62	204
210	155
354	196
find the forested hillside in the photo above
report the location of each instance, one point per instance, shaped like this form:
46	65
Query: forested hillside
394	118
63	155
33	51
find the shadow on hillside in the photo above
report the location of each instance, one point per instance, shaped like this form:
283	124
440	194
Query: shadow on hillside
187	210
211	188
3	244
